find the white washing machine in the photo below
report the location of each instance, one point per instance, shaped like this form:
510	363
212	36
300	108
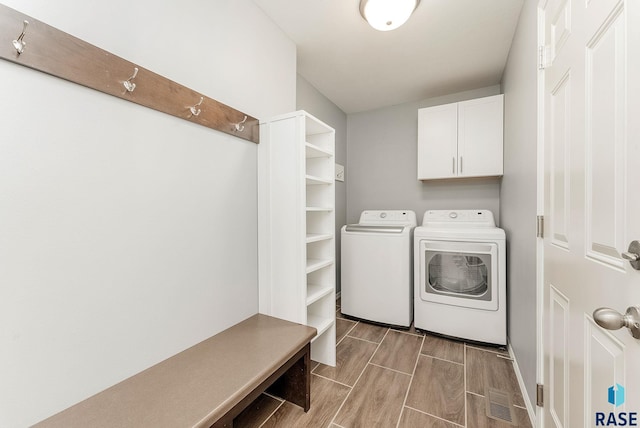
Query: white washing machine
460	276
377	271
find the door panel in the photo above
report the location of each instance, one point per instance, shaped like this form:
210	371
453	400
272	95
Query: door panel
561	26
604	367
605	141
560	158
559	352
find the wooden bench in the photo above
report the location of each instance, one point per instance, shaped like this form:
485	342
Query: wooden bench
208	384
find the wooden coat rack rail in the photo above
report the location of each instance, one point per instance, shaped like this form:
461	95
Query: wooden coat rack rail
34	44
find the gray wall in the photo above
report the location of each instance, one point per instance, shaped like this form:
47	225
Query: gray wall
381	164
312	101
127	234
518	192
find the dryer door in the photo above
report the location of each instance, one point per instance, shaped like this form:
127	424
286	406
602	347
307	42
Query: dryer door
459	273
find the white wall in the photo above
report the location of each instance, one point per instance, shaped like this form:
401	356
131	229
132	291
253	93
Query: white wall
382	166
127	235
311	100
518	192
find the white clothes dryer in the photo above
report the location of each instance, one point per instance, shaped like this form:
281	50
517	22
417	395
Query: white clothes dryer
460	276
377	271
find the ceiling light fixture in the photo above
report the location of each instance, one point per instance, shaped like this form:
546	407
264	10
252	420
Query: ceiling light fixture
386	15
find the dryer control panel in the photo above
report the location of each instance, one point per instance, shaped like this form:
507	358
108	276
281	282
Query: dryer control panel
462	218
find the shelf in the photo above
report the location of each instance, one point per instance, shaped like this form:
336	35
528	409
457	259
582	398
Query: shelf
316	292
318	209
314	151
317	180
315	237
316	264
321	324
315	126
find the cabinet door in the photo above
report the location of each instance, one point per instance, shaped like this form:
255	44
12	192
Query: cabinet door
437	142
480	137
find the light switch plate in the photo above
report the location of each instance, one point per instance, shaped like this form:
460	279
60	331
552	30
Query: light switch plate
339	172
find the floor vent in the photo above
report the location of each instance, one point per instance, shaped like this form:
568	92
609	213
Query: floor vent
499	406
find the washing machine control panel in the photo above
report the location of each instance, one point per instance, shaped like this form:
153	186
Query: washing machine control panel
389	217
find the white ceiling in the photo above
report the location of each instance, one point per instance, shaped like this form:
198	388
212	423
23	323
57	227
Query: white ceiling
447	46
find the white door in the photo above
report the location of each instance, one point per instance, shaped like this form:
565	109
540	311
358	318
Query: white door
592	208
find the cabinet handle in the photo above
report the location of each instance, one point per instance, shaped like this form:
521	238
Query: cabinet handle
460	164
453	165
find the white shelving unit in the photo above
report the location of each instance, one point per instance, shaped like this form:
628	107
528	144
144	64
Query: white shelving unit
296	233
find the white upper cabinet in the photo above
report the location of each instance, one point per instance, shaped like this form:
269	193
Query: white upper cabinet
461	139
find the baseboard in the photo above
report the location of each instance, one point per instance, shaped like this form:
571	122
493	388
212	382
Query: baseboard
523	390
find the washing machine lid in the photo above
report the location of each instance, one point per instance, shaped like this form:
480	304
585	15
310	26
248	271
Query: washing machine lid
454	219
387	218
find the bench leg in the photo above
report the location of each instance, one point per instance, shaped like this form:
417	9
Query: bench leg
295	384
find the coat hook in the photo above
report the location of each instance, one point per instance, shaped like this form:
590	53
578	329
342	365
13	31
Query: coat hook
128	84
19	43
194	110
239	126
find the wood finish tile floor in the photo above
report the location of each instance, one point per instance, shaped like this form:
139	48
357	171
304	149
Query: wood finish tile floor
397	378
